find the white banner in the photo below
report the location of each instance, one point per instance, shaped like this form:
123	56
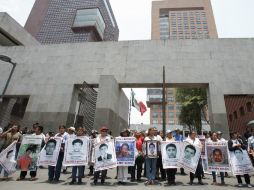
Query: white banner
240	162
49	153
29	151
217	156
189	157
125	151
105	155
7	158
76	151
170	152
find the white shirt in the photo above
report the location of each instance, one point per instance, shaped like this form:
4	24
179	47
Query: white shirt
251	143
195	142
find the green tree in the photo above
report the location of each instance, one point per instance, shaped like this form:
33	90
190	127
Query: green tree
193	101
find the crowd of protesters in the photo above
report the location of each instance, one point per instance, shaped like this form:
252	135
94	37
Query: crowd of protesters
151	168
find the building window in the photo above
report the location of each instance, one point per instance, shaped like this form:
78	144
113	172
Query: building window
235	114
155	115
155	107
171	107
90	18
171	122
241	110
230	117
155	121
171	99
249	107
171	114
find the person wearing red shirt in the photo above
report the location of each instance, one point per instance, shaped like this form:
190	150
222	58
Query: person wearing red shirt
139	159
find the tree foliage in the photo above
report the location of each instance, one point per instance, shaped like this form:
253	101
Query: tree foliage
193	101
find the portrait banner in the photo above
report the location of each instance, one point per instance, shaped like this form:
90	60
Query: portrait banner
189	156
151	149
125	151
29	151
170	152
240	162
7	158
49	153
105	155
203	142
76	151
217	156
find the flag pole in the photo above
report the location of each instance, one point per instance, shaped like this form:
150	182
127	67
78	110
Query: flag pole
164	104
129	124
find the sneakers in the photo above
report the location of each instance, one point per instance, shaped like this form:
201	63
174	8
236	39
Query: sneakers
214	183
239	185
249	185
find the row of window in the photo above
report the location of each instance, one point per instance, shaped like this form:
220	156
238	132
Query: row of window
169	107
170	114
172	122
242	112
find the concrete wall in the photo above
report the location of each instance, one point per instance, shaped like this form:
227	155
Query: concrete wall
112	106
47	73
15	31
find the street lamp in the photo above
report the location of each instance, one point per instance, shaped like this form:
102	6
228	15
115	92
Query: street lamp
8	60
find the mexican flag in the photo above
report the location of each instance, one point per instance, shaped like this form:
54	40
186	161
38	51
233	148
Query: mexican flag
139	105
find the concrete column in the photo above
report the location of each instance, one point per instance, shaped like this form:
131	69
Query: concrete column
110	98
217	110
5	111
50	108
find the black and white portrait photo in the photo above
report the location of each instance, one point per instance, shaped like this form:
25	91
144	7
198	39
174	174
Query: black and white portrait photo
49	153
76	151
189	156
105	156
151	149
170	152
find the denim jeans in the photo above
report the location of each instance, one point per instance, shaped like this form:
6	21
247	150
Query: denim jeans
151	168
221	176
80	170
5	172
55	171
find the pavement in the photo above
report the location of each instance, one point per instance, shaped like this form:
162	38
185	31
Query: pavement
111	183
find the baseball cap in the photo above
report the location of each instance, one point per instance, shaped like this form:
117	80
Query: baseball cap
219	132
72	128
169	131
103	128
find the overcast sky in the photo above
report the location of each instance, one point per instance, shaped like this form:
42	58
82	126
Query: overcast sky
234	19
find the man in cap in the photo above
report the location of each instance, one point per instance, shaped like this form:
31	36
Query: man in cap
219	135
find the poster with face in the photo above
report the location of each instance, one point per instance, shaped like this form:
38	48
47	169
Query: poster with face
105	155
7	158
49	153
76	151
217	156
151	149
170	152
125	151
29	152
203	141
189	156
240	162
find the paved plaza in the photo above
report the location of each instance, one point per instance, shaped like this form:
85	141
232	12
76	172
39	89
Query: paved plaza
111	183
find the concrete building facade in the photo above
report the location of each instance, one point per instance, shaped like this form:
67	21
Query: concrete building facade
183	19
70	21
48	75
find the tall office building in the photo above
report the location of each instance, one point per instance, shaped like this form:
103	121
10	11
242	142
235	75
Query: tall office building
70	21
174	20
183	19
